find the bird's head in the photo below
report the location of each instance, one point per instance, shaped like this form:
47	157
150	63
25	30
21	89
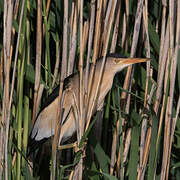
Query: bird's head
116	64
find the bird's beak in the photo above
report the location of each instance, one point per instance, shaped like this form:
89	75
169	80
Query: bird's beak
128	61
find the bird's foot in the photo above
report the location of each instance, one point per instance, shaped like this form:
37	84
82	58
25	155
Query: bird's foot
81	149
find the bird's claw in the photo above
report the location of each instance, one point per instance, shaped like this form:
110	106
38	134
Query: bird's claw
81	149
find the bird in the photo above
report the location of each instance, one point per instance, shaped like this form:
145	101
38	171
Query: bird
44	126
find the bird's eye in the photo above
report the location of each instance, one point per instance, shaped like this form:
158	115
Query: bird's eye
117	61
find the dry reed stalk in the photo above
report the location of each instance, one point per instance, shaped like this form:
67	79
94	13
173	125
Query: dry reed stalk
71	175
99	122
127	35
81	123
71	27
118	163
157	25
104	5
56	68
73	41
172	24
90	40
71	19
89	76
128	78
60	97
15	11
40	92
104	52
7	27
172	120
1	72
3	104
65	39
1	145
145	143
116	27
167	117
166	143
161	119
106	14
163	27
146	148
7	22
164	62
123	31
114	145
173	127
85	36
96	46
16	57
125	153
14	159
147	46
146	153
38	57
127	145
112	49
12	89
173	67
0	117
48	6
173	130
160	80
57	130
159	88
47	12
105	11
127	10
162	70
84	44
81	118
145	117
16	8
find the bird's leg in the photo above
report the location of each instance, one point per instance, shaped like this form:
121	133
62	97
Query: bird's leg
68	146
72	145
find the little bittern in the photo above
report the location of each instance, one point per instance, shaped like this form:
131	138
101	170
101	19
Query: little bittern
44	126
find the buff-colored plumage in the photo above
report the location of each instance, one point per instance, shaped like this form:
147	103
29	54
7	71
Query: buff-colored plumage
44	126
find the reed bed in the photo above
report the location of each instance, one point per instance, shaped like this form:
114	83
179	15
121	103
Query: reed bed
137	134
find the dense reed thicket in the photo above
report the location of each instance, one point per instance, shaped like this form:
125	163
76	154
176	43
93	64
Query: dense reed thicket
137	134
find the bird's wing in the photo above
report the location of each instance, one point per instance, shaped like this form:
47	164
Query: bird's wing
45	123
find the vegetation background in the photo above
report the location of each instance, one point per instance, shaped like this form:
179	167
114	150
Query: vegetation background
138	134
